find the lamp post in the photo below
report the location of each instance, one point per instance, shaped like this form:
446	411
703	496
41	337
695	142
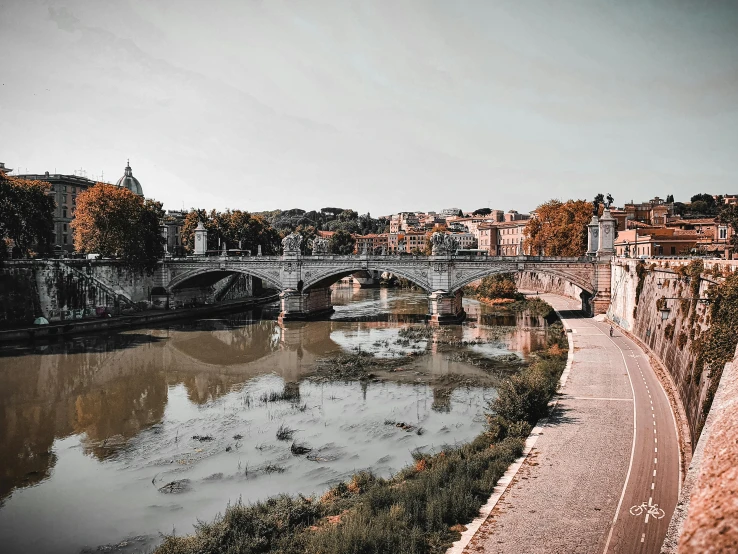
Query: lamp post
666	311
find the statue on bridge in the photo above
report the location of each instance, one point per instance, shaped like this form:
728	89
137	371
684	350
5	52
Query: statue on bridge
442	243
600	200
291	243
320	246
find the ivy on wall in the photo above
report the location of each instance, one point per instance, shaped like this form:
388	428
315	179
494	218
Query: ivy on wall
717	345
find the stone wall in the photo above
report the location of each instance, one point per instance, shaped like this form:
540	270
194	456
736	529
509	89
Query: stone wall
545	282
635	304
69	289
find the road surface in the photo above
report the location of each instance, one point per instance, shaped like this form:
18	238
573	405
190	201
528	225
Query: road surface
603	476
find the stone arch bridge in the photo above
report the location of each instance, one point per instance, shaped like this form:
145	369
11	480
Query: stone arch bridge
304	281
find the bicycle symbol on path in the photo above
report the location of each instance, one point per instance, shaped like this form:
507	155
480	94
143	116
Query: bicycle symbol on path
649	509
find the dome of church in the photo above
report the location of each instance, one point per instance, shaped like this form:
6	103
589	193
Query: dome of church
130	182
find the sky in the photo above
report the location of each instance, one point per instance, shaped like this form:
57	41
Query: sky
377	105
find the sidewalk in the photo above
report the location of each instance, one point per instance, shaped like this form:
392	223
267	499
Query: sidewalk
564	498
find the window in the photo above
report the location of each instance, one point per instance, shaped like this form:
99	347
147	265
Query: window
66	239
723	233
65	227
64	212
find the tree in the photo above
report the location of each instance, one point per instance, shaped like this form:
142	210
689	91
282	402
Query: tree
559	228
482	211
499	285
114	222
26	217
234	228
309	234
669	198
342	243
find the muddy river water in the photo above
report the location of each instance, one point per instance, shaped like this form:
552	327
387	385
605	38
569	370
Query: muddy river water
108	442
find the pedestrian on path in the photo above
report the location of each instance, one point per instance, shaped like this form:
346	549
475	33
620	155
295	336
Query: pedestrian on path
610	330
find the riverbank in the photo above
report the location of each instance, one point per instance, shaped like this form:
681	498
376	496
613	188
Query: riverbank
150	317
422	509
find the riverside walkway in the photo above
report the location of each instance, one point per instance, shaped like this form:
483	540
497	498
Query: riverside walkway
603	476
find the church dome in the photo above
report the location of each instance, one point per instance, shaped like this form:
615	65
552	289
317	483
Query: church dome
130	182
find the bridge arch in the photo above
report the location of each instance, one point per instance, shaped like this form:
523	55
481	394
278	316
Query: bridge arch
577	280
182	278
326	277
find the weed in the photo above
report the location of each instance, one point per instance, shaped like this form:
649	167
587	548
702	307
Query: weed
284	433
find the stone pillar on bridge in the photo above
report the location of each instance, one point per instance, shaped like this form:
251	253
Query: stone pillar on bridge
593	236
201	240
443	306
302	305
605	251
607	234
299	304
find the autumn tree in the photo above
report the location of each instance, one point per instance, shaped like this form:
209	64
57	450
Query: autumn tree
559	228
342	243
26	217
114	222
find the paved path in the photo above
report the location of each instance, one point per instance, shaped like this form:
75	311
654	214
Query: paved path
594	482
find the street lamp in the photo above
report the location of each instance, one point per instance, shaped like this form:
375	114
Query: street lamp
665	310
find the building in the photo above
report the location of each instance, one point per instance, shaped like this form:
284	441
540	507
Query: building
655	241
171	230
510	238
487	238
466	240
371	243
512	215
64	189
654	212
714	237
4	170
403	221
415	242
129	181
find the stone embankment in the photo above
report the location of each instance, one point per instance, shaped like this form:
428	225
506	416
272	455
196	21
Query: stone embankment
644	292
64	290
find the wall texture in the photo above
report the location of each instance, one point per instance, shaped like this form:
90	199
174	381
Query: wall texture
635	304
545	282
63	290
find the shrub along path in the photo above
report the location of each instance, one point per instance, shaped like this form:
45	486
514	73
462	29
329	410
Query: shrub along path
566	495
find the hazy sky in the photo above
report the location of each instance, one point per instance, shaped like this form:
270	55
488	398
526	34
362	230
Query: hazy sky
375	105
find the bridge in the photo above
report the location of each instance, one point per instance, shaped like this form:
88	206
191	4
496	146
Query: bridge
304	280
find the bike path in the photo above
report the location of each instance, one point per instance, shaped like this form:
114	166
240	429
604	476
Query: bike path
580	475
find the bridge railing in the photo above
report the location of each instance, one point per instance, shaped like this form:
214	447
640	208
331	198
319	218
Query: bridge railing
378	257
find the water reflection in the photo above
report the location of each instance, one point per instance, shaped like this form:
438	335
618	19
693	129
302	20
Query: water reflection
118	399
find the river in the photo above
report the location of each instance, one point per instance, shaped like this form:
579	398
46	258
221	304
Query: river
106	442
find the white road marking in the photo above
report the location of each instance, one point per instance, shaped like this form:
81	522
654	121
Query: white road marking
654	473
